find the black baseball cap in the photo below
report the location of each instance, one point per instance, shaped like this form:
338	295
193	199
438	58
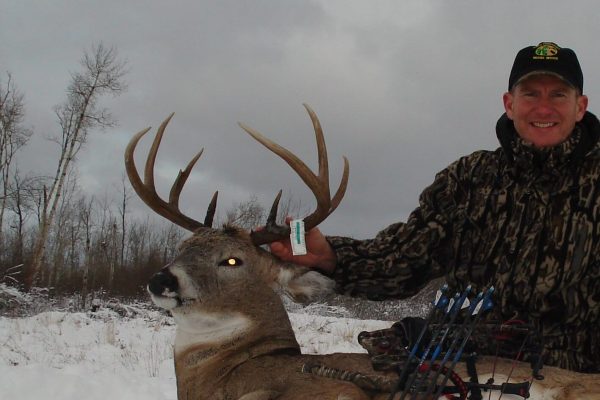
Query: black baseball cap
549	58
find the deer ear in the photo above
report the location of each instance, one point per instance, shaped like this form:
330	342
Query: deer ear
304	285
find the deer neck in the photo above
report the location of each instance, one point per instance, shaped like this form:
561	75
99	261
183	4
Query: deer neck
209	345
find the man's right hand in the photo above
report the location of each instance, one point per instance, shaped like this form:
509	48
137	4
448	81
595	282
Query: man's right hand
319	254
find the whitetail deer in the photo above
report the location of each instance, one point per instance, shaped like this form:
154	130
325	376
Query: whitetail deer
234	339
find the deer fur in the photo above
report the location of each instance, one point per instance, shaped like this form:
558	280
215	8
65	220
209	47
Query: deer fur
234	339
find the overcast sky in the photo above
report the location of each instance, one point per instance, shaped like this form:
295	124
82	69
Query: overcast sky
402	88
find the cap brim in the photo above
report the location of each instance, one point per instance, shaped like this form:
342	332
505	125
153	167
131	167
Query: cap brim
543	72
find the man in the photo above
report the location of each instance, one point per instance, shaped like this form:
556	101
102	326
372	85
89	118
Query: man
523	218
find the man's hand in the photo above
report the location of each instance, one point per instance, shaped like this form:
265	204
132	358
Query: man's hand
319	253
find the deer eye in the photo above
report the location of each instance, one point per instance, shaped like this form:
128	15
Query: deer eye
231	262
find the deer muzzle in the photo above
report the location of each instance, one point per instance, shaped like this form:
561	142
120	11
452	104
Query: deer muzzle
164	289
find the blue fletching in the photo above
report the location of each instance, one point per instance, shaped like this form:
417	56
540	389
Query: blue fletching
488	305
436	352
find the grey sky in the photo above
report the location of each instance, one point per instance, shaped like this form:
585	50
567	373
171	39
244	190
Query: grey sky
402	88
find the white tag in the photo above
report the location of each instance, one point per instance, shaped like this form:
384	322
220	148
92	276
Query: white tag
297	237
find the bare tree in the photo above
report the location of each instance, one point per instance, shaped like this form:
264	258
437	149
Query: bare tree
60	237
85	215
107	240
13	136
290	207
172	235
125	196
250	214
102	73
18	205
23	202
247	214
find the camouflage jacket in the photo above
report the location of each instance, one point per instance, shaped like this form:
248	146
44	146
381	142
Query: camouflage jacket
523	219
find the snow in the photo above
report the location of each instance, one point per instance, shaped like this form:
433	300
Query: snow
102	355
125	351
61	355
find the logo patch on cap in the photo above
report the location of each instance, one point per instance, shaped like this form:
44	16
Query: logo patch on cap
546	51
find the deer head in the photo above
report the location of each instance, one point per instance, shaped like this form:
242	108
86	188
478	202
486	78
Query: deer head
230	249
222	286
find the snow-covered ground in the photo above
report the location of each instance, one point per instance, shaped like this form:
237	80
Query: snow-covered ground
124	351
102	355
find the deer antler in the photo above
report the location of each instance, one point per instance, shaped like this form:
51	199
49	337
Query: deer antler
319	185
147	191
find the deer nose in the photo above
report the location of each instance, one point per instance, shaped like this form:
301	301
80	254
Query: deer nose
162	281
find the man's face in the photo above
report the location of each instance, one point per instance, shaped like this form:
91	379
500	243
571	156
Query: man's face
544	109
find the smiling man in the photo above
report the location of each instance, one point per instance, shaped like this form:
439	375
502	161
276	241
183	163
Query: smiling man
524	218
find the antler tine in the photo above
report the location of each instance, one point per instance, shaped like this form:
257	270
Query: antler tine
319	185
339	194
323	163
178	186
321	149
149	167
146	189
210	212
182	177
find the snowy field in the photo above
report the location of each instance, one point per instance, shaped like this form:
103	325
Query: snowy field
103	355
124	351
